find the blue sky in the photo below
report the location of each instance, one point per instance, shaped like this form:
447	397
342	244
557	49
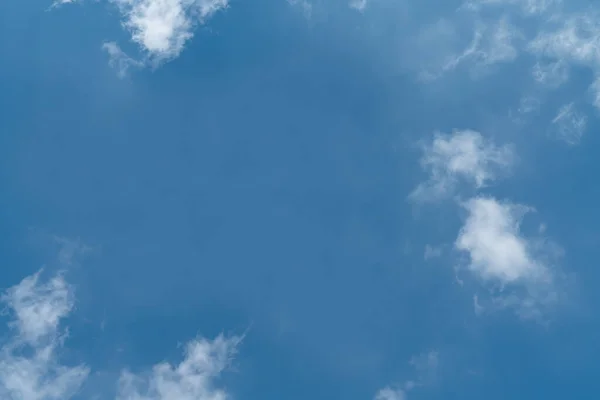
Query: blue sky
292	199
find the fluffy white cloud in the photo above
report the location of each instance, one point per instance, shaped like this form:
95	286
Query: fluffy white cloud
192	379
497	250
162	27
501	255
29	369
462	155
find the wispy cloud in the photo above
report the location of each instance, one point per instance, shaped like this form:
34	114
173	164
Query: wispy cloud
119	60
426	366
551	74
359	5
304	5
572	40
463	155
500	255
491	44
569	124
58	3
575	39
531	7
432	252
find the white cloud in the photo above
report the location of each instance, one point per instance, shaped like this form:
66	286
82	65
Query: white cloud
29	369
463	155
162	27
192	379
501	255
569	124
497	250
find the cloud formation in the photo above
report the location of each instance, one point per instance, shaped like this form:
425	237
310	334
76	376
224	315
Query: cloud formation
461	156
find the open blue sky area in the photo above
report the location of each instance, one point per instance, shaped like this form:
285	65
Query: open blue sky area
299	199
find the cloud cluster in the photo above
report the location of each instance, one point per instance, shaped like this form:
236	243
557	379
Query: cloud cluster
30	367
512	266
